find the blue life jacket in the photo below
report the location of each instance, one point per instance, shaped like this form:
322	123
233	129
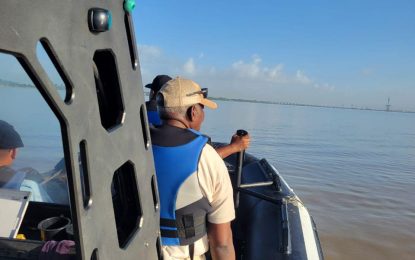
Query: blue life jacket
176	167
153	117
152	113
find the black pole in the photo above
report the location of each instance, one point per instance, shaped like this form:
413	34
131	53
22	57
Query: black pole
239	163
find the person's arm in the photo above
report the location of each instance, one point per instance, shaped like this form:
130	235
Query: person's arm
238	143
220	241
216	186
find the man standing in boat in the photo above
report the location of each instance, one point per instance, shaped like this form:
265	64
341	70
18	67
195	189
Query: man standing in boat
237	144
196	197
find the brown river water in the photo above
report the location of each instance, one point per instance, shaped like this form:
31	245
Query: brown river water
353	169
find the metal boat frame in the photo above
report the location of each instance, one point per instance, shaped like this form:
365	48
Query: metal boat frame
110	155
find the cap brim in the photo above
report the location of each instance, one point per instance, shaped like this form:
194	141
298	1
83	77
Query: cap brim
209	103
148	85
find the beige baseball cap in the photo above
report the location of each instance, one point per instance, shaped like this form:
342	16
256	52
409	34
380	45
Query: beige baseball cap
181	92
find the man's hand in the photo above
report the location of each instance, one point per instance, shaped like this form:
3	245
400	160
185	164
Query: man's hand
240	142
220	241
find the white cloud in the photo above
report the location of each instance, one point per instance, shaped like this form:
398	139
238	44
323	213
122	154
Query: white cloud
154	62
251	70
189	67
302	78
275	74
149	52
249	79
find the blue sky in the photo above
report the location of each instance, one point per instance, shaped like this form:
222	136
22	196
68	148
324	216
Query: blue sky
320	52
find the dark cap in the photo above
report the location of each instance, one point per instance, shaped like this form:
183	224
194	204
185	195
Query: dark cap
158	82
9	138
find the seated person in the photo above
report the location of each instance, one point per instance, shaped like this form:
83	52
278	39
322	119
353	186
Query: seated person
10	141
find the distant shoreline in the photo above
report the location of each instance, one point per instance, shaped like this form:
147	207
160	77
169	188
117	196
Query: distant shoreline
305	105
6	83
301	105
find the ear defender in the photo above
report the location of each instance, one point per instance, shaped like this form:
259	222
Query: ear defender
160	99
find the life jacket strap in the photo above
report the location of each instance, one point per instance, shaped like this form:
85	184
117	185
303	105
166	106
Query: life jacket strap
186	227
